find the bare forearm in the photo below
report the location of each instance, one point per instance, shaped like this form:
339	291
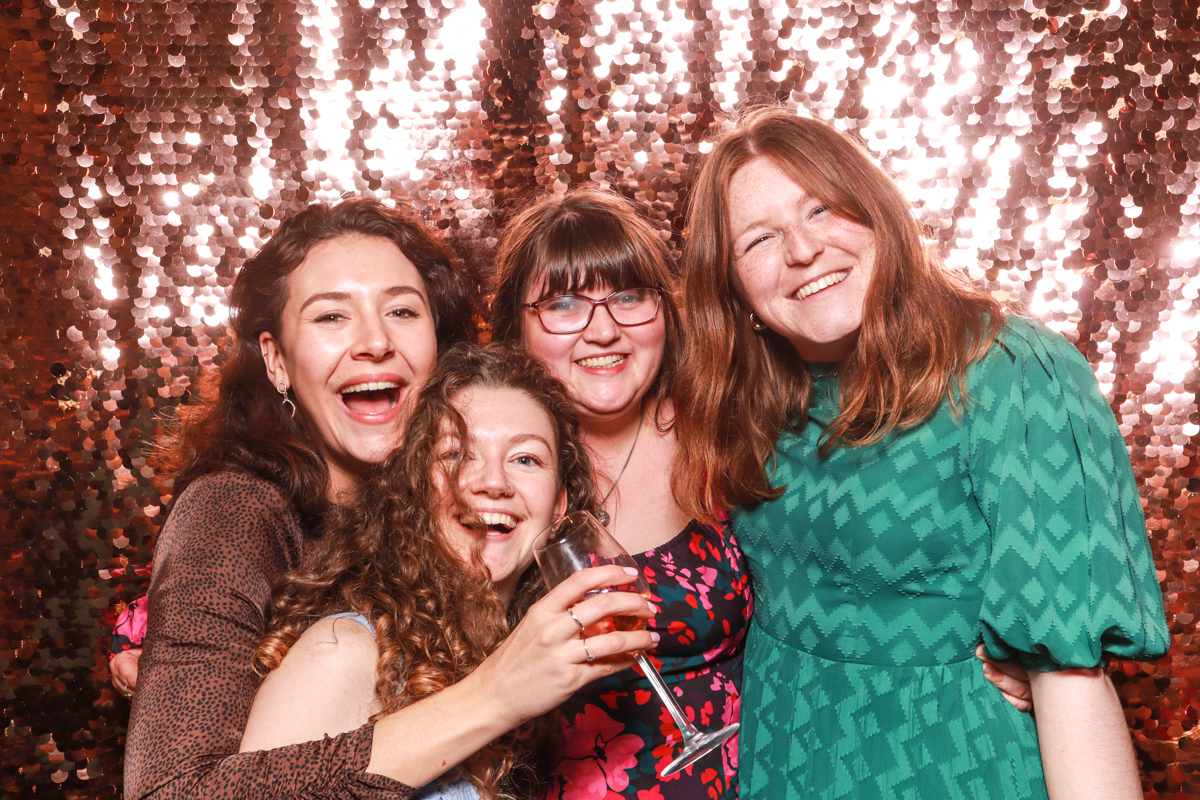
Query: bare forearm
1084	741
541	663
420	742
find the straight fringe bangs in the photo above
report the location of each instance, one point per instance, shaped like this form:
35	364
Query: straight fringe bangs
578	241
922	325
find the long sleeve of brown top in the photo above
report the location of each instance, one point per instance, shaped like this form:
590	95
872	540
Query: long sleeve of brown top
229	537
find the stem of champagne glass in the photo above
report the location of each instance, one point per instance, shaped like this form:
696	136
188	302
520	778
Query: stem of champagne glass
686	728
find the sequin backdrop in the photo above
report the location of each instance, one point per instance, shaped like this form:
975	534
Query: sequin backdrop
1053	149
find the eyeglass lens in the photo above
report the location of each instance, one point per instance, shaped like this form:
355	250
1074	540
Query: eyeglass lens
571	313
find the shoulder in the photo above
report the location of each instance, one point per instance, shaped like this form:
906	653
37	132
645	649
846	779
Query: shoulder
232	516
234	488
1027	347
231	496
1024	338
324	686
335	645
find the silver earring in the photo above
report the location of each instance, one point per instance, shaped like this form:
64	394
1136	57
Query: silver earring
756	323
287	401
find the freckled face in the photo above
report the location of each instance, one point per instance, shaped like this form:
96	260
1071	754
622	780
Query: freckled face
509	479
805	269
357	334
607	368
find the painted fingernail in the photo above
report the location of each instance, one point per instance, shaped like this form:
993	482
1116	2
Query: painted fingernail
630	570
654	637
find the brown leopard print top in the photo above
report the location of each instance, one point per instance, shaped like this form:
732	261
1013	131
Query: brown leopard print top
229	536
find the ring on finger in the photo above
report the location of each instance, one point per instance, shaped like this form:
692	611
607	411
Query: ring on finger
590	657
571	611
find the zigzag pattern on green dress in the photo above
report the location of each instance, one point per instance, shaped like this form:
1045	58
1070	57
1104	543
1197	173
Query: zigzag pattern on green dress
881	568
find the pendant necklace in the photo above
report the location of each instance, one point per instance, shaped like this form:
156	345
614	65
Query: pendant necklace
601	514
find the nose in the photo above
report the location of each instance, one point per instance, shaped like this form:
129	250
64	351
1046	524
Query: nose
603	328
486	476
802	247
372	342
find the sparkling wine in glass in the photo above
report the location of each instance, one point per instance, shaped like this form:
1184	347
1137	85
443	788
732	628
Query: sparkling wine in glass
577	542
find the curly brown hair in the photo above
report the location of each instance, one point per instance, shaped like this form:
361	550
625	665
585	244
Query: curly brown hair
384	557
239	422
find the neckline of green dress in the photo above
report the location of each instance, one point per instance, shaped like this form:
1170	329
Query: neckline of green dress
824	405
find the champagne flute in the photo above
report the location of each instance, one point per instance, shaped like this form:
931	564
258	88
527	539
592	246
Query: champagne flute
577	542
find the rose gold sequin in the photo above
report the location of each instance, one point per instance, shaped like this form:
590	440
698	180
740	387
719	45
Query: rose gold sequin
147	147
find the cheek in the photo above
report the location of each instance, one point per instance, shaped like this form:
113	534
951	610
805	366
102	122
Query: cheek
755	284
552	350
651	339
310	372
420	352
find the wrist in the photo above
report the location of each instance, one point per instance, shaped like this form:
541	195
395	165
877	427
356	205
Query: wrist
484	689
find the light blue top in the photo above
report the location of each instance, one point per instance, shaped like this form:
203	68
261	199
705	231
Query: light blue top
460	789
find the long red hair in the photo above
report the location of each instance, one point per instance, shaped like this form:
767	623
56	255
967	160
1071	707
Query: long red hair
922	324
384	557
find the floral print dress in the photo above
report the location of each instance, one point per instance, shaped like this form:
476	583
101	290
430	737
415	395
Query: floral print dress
618	734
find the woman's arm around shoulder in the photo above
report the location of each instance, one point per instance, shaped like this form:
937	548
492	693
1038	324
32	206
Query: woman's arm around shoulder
229	536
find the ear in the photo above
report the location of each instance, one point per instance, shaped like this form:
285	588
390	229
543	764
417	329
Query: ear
560	505
273	360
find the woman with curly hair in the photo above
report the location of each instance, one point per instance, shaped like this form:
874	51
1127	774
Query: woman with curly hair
426	609
334	323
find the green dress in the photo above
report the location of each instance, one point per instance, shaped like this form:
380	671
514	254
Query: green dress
879	570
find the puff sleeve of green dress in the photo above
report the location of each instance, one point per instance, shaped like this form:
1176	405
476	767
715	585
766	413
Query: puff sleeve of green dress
880	569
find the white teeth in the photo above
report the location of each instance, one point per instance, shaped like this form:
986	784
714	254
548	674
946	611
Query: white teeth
373	386
602	361
821	283
497	518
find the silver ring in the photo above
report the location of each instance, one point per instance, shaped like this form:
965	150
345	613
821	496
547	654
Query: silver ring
571	611
591	657
128	693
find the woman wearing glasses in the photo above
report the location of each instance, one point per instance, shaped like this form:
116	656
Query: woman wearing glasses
583	284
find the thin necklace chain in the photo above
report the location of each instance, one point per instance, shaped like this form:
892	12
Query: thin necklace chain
601	514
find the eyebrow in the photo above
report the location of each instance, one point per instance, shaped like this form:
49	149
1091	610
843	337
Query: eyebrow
531	437
391	291
804	198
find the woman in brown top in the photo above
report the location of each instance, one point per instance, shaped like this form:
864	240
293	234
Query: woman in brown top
335	320
416	585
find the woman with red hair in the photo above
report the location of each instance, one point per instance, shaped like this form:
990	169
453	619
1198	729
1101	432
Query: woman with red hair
919	473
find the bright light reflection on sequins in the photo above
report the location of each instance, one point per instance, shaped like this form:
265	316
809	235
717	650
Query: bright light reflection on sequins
1050	150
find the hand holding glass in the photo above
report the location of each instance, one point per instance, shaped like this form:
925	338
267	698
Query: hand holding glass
577	542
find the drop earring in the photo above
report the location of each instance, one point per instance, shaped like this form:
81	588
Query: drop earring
287	401
756	323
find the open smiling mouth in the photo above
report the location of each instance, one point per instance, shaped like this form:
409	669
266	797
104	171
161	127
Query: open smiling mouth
821	283
495	522
370	399
599	362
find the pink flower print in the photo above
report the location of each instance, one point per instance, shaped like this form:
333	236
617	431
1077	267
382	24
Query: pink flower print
597	757
132	622
654	793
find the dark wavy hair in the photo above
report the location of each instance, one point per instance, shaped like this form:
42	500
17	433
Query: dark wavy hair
585	238
384	557
239	421
922	326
